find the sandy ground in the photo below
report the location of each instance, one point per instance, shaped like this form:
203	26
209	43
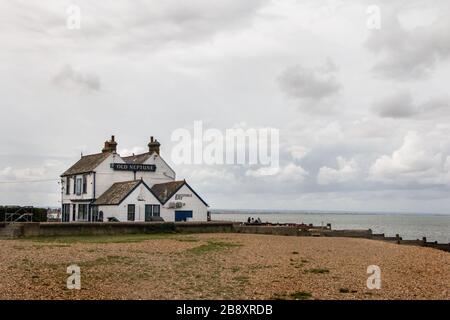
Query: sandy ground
220	266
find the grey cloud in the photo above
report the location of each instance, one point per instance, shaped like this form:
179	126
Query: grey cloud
402	105
408	54
70	78
126	26
397	106
310	83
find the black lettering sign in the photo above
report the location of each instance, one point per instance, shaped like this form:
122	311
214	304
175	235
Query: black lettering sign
133	167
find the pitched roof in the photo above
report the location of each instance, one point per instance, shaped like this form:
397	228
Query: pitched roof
86	163
117	192
165	191
137	159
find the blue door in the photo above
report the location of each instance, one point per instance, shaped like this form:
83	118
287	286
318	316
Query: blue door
182	215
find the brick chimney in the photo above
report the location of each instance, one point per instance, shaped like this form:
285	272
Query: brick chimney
153	146
110	146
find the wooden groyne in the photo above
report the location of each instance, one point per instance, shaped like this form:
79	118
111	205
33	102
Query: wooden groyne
302	230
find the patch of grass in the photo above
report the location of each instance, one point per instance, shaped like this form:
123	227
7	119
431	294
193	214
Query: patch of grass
235	269
212	246
129	238
108	260
279	296
51	245
259	266
294	252
242	279
344	290
301	295
187	239
318	270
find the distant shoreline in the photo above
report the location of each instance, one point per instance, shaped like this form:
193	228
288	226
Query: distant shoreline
337	212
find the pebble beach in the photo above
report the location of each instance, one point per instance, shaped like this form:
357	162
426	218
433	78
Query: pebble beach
220	266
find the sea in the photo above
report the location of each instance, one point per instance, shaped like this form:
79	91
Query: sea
410	226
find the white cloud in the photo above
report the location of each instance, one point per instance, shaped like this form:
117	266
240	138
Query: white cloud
135	150
298	152
12	174
69	78
416	162
288	173
346	171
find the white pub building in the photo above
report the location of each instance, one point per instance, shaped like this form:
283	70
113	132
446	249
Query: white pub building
108	187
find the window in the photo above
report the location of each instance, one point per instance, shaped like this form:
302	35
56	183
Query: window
74	210
156	210
65	212
84	183
78	186
131	212
95	213
83	212
74	185
151	210
67	185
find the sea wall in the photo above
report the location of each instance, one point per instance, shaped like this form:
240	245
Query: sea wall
31	229
113	228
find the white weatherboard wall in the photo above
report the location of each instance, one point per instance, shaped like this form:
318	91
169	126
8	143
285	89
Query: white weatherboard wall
121	211
199	209
83	196
106	176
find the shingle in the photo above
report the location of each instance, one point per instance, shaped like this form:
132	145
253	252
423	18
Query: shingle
137	159
164	191
86	164
117	193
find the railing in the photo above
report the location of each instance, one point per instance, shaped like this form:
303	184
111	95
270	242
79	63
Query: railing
19	215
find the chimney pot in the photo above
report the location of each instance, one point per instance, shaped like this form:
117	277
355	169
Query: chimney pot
153	146
110	146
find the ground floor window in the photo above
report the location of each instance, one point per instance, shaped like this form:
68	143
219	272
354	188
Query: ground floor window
131	212
151	210
83	212
65	212
96	215
74	211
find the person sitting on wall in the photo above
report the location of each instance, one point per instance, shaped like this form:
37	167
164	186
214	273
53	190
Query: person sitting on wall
258	221
249	220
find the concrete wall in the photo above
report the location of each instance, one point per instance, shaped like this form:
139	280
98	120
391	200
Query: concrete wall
115	228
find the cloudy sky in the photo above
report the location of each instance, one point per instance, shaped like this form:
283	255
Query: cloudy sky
363	112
